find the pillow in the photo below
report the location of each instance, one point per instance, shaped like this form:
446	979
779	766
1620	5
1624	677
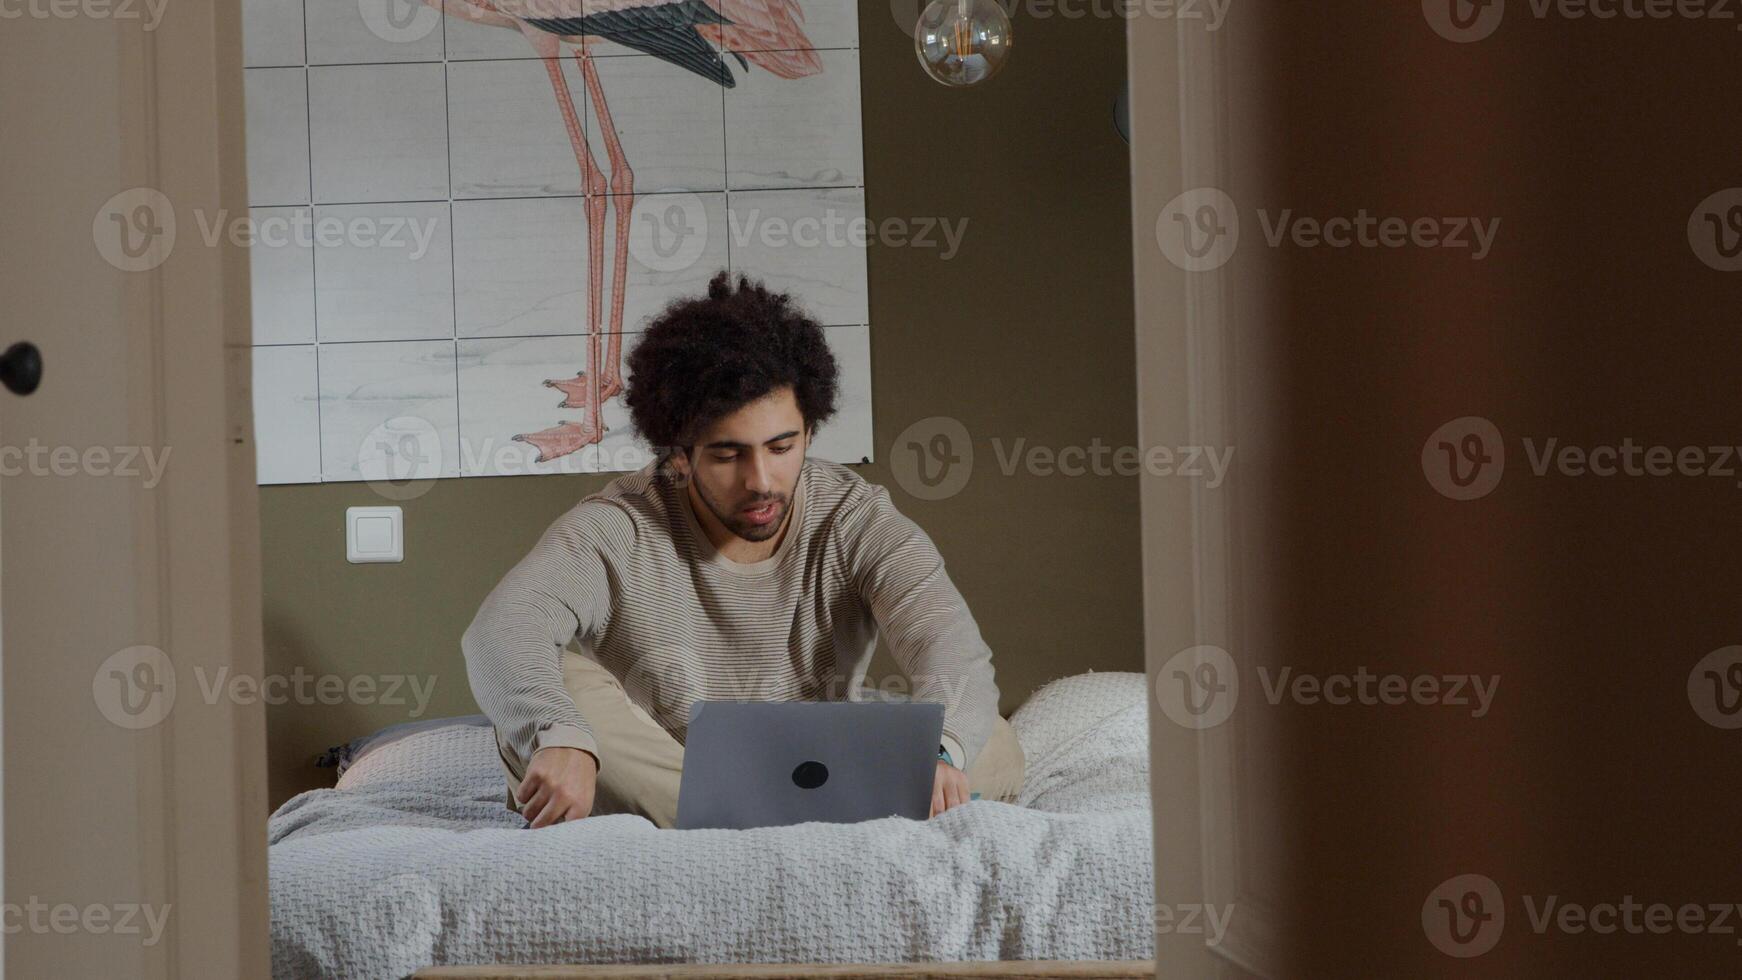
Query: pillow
1066	708
455	761
343	757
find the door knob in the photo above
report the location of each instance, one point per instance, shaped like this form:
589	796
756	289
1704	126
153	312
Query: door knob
21	368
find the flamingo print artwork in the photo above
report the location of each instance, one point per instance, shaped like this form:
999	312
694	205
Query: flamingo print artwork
687	33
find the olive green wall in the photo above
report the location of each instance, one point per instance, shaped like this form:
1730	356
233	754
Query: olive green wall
1026	333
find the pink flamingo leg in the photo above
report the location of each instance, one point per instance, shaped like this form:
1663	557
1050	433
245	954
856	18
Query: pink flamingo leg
568	437
770	35
623	191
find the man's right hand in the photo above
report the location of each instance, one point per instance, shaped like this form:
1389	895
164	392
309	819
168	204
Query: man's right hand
558	786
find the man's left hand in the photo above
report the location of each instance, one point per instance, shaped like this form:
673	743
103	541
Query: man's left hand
948	789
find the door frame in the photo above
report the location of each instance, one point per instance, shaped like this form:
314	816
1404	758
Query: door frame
216	786
163	356
1192	596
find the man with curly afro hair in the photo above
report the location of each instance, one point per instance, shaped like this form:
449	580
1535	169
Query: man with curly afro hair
731	568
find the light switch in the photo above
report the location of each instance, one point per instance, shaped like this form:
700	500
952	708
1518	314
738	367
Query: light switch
374	534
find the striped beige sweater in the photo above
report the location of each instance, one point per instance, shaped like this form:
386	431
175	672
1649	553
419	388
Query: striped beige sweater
629	574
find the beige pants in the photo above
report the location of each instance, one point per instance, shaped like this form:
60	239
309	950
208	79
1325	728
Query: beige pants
641	764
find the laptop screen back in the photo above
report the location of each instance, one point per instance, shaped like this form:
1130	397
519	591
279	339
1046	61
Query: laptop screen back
776	763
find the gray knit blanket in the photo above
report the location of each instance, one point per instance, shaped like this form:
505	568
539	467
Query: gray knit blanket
414	861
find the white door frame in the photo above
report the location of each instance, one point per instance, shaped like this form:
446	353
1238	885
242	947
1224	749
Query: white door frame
1206	816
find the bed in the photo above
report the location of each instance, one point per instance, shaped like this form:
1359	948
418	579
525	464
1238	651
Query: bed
412	861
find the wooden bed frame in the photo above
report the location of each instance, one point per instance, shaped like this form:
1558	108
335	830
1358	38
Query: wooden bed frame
1064	970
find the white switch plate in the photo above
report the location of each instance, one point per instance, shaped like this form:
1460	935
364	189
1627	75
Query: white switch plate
374	534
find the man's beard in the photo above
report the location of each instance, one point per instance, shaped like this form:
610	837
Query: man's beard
735	522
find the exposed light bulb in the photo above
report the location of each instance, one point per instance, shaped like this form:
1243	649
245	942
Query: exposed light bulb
962	42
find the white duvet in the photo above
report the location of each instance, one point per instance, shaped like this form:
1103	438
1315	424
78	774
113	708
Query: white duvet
414	861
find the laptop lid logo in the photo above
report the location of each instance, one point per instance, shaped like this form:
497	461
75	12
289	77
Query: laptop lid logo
810	775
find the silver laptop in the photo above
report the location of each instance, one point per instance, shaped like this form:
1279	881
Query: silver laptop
775	763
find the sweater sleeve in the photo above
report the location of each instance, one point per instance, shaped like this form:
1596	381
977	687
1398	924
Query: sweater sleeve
514	645
932	635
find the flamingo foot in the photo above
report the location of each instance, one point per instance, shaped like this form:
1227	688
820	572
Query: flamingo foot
563	439
575	389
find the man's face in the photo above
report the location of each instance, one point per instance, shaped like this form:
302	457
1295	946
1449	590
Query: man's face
745	468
